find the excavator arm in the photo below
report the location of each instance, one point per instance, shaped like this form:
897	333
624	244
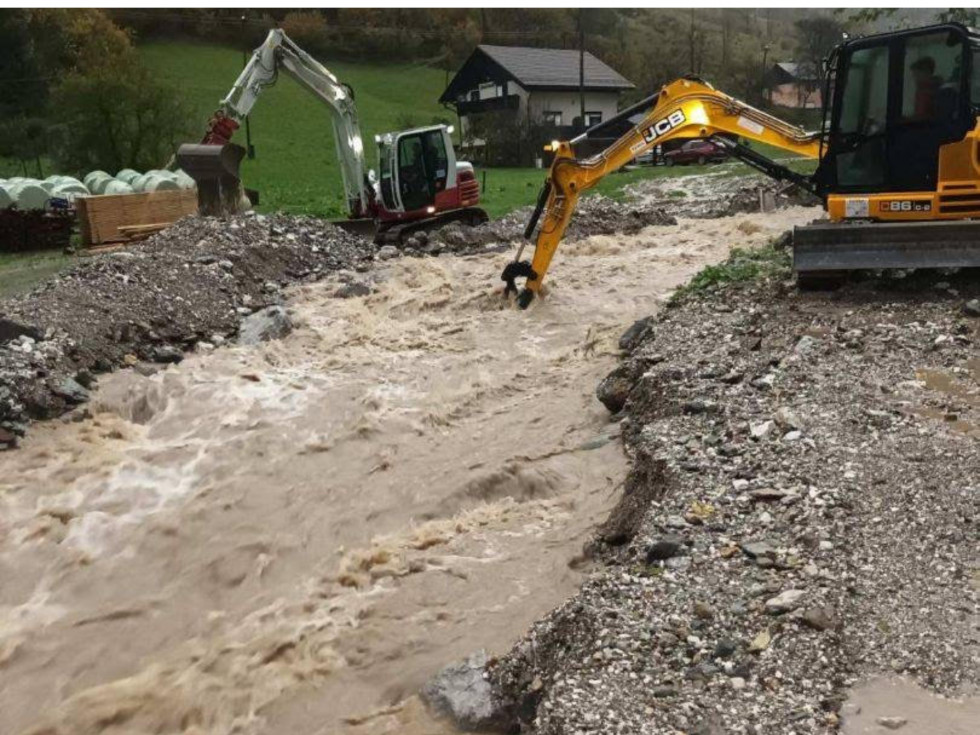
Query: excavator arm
686	108
278	51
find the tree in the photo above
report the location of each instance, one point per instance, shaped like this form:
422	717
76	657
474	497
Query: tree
966	16
117	118
816	37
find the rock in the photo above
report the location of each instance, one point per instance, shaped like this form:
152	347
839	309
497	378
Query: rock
387	252
761	641
665	548
972	307
167	354
892	723
849	709
784	602
806	345
462	693
725	647
71	390
758	550
640	330
8	439
787	419
273	322
737	682
768	493
614	389
761	430
703	610
352	290
699	406
819	618
10	329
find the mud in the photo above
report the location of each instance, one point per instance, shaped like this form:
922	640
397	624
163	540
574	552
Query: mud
924	713
292	537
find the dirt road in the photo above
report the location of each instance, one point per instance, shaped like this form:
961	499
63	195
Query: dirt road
293	537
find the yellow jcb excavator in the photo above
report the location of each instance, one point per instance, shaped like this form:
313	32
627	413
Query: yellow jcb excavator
898	152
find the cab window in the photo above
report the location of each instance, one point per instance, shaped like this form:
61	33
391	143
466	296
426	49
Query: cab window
861	162
932	77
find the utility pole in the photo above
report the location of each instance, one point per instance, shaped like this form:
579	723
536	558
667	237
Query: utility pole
762	75
249	150
581	66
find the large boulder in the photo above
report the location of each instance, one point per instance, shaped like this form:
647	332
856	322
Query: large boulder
272	322
463	694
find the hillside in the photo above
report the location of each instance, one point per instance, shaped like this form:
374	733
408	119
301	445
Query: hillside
295	167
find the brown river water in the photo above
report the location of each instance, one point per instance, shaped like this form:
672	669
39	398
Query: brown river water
291	538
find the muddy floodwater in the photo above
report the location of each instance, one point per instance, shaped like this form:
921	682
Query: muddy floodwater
293	537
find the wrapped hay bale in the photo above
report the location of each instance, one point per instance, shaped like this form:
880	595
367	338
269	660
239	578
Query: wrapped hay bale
127	175
29	195
95	179
115	186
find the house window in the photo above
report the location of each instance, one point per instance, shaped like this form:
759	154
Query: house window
552	118
488	90
475	95
592	118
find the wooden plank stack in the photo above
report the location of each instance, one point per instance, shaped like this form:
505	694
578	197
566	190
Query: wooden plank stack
114	218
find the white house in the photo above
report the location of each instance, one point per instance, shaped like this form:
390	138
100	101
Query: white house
538	84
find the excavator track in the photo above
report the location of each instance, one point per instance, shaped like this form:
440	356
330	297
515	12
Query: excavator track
821	247
397	233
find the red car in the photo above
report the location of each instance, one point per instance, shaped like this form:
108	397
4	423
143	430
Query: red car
696	151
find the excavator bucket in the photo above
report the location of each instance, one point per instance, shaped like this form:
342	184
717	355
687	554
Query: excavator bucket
215	169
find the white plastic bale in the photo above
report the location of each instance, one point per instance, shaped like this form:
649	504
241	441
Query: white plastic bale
69	187
30	195
92	176
6	200
137	182
159	183
115	186
184	181
97	184
127	175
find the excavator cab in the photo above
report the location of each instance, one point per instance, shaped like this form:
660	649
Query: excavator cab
416	165
893	101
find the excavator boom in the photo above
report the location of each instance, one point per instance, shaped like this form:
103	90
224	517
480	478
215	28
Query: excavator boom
216	169
686	108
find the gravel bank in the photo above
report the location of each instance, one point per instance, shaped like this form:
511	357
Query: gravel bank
801	512
192	283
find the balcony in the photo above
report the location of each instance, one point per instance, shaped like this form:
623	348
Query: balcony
490	104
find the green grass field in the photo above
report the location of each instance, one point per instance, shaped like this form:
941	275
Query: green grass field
295	168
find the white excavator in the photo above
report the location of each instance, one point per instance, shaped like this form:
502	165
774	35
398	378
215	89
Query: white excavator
421	186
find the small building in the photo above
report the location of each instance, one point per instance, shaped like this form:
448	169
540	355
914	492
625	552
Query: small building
536	86
793	84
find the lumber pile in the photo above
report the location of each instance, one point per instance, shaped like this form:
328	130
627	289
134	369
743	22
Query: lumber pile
121	218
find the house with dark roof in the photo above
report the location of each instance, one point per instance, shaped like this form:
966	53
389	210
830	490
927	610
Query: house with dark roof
792	84
537	85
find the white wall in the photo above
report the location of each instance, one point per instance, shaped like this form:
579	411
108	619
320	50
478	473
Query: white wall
567	103
536	103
